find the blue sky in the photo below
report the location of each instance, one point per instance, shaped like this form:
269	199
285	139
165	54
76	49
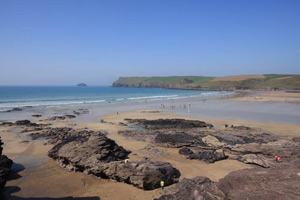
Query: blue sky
63	42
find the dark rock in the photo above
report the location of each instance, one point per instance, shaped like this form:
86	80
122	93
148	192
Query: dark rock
97	148
185	151
24	123
36	115
174	140
70	116
5	165
197	188
169	123
16	109
7	124
122	124
143	174
30	129
281	181
284	148
55	135
209	156
241	128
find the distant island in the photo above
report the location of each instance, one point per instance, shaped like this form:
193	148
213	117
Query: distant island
81	84
243	82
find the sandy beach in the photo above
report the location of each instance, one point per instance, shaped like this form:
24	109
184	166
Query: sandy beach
35	172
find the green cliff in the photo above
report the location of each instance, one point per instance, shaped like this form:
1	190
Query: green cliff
260	82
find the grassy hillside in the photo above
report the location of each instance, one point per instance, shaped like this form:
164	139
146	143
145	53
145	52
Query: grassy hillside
266	81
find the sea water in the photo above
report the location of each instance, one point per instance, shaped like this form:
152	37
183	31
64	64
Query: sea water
63	96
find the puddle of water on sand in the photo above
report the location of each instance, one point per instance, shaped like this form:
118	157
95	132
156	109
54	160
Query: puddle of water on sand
30	162
139	128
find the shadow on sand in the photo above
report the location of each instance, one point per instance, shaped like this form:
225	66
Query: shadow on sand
12	189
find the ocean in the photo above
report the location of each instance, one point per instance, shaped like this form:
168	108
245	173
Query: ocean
62	96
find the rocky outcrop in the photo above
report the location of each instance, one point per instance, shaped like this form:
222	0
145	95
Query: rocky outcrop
102	157
285	148
209	156
63	135
5	165
93	153
277	182
197	188
25	123
14	109
80	153
185	151
255	159
169	123
175	140
142	174
281	181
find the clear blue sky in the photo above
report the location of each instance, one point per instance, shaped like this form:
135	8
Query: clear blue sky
63	42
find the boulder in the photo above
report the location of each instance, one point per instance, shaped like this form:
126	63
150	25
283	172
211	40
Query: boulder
24	123
142	174
82	153
255	159
197	188
212	141
209	156
185	151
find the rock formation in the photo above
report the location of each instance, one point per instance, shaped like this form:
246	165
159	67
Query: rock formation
169	123
5	165
93	153
209	156
197	188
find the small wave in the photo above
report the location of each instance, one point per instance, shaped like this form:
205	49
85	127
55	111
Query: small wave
152	97
37	104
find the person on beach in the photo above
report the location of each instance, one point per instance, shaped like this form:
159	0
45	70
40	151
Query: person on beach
278	159
162	184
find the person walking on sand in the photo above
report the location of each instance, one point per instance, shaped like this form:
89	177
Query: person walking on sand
162	184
